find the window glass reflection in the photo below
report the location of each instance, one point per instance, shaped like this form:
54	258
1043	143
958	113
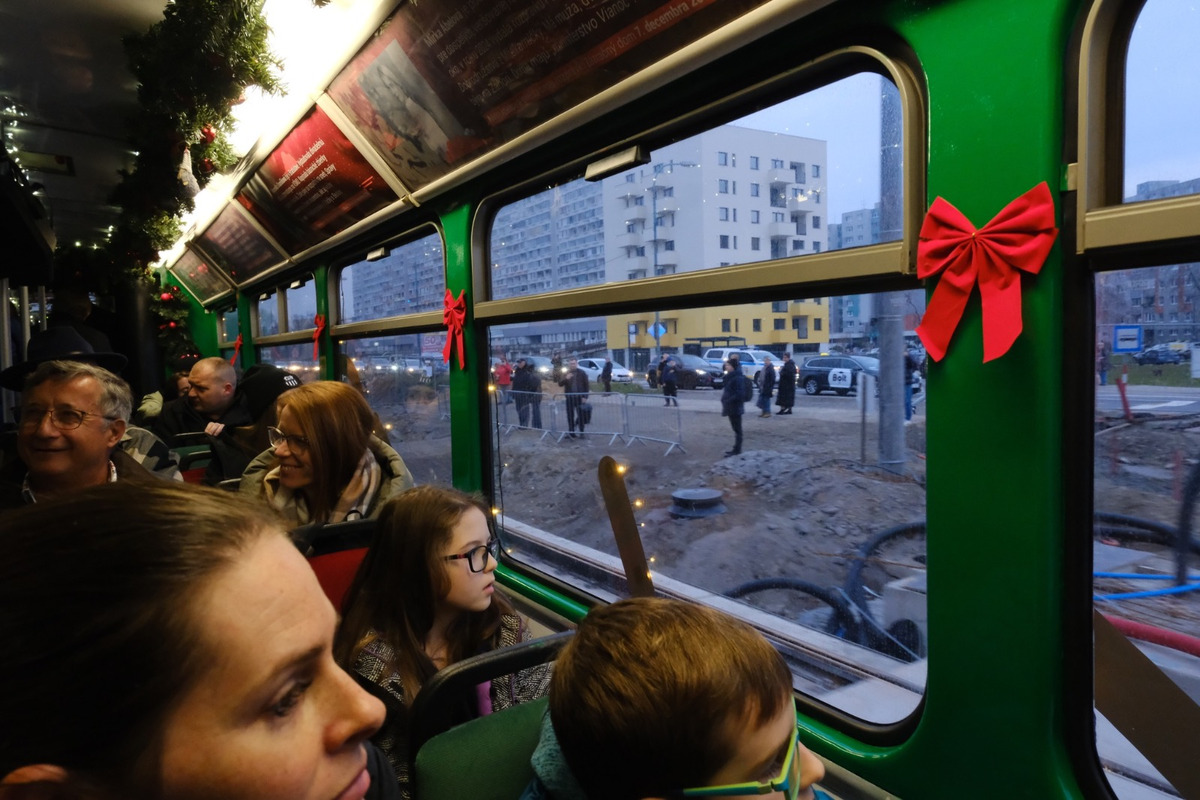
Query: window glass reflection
780	533
818	172
295	358
409	279
407	385
301	305
268	315
1146	485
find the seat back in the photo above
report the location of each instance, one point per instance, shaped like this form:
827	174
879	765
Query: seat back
485	757
334	552
481	759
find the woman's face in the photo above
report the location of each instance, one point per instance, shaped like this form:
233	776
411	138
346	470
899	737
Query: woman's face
469	591
272	717
295	460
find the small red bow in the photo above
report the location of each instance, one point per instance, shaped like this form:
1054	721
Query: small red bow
237	349
319	321
1018	238
454	314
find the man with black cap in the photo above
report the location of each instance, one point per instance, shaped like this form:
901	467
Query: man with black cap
62	343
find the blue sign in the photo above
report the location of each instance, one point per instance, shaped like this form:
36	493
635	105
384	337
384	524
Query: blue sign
1127	338
658	329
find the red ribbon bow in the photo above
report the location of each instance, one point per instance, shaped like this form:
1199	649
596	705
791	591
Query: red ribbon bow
237	349
454	314
1018	238
319	321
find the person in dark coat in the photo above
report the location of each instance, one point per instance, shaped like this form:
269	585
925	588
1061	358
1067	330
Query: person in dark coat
785	398
527	387
575	384
767	389
669	377
731	403
606	375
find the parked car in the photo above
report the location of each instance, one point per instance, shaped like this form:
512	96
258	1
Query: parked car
751	361
594	366
696	373
1158	354
835	373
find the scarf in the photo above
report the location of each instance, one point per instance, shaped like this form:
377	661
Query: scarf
353	502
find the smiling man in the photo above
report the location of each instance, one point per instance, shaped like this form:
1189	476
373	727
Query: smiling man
72	417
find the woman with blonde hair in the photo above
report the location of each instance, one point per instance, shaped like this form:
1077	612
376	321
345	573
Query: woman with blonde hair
324	464
424	598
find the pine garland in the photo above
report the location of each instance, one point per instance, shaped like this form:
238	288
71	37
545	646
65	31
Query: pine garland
192	68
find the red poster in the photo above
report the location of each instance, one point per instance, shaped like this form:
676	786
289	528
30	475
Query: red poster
234	243
314	185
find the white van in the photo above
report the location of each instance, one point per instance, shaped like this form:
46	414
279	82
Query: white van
750	360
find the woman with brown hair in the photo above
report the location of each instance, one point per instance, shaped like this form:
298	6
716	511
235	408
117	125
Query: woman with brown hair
169	642
324	464
424	598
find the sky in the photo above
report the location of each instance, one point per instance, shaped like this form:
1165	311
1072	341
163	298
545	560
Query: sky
846	115
1162	114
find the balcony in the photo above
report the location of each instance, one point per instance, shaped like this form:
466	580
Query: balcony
635	213
781	175
631	240
777	230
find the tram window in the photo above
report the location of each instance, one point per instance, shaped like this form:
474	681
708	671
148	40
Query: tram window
268	315
1147	487
763	533
301	300
410	279
228	325
1162	80
581	233
295	358
407	386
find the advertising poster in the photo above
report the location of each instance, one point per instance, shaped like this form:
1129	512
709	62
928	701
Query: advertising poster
235	244
314	185
199	277
445	80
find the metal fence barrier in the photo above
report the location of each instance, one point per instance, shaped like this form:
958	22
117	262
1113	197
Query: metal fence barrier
618	416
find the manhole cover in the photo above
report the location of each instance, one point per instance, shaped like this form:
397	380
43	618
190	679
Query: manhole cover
697	503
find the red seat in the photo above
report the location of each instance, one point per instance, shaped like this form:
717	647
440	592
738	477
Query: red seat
335	571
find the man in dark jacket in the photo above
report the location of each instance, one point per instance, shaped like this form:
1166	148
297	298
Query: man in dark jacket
575	384
731	403
606	375
669	376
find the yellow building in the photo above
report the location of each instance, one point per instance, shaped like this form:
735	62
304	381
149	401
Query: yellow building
796	325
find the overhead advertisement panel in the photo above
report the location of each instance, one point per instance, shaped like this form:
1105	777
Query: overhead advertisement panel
199	276
234	243
444	81
314	185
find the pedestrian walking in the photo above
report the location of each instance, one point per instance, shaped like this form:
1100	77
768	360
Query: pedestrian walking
785	398
766	387
732	403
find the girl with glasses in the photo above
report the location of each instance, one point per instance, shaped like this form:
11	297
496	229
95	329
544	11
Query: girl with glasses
424	598
324	464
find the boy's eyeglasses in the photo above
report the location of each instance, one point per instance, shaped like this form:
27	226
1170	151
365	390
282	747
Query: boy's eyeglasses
277	437
477	556
787	781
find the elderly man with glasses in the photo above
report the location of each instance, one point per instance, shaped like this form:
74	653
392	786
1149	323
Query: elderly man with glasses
72	416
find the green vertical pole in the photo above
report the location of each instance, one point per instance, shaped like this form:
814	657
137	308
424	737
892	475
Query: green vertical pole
466	415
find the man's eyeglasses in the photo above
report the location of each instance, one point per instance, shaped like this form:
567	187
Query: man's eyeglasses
277	437
65	419
477	556
788	780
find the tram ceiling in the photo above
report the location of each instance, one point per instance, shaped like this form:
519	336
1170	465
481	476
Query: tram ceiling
65	85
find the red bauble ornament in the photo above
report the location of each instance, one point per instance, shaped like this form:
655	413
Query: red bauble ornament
170	324
165	296
208	133
207	166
